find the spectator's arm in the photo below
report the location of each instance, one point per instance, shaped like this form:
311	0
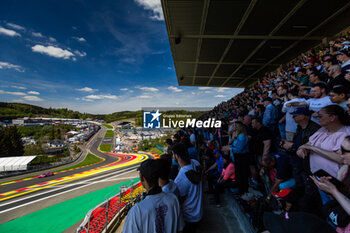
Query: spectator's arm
267	145
232	137
325	153
325	185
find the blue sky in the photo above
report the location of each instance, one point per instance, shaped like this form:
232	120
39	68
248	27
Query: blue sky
92	56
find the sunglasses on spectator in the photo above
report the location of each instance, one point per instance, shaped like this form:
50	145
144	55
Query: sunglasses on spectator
343	150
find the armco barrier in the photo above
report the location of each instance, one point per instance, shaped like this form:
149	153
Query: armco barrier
108	215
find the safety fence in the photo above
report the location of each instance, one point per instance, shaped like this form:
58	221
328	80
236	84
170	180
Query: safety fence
108	215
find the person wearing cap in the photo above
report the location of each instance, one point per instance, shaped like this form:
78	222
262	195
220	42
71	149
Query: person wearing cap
339	95
270	114
189	183
344	57
159	211
213	173
308	196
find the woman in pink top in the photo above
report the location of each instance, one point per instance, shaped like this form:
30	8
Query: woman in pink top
226	180
324	145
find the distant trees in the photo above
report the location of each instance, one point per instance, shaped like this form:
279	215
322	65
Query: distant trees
10	142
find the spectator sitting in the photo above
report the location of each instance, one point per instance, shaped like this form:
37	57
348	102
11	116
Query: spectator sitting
344	57
324	145
214	172
338	210
189	183
279	171
270	114
159	211
339	95
226	180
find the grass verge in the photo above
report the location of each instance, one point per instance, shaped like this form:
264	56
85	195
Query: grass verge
108	126
89	159
106	147
156	151
109	134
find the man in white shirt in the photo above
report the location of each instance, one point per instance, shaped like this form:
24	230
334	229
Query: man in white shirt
319	100
189	183
159	211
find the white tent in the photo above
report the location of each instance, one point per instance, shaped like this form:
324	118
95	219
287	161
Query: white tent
15	163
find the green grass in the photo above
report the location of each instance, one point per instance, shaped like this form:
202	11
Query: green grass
90	159
156	151
106	147
108	126
109	134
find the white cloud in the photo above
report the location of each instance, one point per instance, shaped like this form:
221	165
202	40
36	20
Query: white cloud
33	93
53	51
32	98
81	54
12	92
153	89
174	89
37	34
204	88
52	39
207	92
222	89
6	65
87	89
193	93
80	39
15	26
144	96
220	96
99	97
19	87
8	32
153	5
124	89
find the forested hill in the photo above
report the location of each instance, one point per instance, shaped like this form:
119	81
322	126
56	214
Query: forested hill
15	110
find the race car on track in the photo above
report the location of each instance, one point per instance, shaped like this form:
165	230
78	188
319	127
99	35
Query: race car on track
46	175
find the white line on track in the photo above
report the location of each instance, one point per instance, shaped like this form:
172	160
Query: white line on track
52	190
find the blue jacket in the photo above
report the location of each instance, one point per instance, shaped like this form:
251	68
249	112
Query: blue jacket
240	144
270	115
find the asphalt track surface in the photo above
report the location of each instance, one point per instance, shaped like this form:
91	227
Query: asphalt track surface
26	193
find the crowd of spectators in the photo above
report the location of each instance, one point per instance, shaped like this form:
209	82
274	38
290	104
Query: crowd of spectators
284	147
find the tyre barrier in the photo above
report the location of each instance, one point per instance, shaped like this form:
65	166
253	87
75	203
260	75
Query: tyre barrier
108	215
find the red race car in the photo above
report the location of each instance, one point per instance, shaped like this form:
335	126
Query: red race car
46	175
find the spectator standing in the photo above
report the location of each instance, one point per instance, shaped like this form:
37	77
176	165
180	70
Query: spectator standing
189	184
337	78
214	172
270	115
159	211
319	100
291	125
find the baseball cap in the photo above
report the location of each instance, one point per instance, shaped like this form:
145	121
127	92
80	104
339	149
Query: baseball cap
307	64
301	111
347	71
149	169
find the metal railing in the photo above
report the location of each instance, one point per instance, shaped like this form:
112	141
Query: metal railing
108	215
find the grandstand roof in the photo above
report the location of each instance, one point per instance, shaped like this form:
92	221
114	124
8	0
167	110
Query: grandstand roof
232	43
15	163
